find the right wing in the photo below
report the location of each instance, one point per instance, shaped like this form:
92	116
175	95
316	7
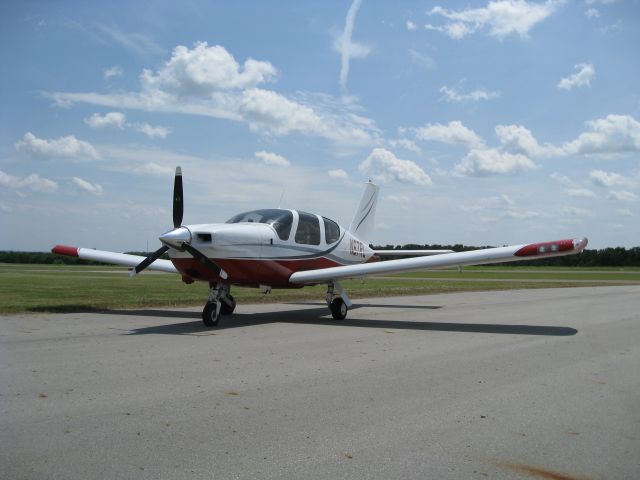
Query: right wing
112	257
473	257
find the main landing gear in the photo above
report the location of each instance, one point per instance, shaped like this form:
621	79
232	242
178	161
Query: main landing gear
338	305
220	302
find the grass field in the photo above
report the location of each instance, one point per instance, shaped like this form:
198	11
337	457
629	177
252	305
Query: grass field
64	288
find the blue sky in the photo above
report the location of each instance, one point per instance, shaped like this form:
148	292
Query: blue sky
485	123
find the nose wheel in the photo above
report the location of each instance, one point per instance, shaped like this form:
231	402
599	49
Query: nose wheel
221	302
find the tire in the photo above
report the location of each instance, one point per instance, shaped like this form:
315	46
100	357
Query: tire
209	315
338	309
225	308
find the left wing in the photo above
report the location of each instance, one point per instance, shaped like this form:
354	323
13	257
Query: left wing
409	253
474	257
112	257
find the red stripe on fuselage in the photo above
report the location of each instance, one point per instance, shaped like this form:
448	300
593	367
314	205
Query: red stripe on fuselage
252	272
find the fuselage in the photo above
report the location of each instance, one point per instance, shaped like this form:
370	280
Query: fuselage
264	247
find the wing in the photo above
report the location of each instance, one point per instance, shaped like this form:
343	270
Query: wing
112	257
474	257
410	253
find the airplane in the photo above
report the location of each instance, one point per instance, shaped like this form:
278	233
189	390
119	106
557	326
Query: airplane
283	248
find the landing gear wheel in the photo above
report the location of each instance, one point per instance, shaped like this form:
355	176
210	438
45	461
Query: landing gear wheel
228	308
338	309
209	317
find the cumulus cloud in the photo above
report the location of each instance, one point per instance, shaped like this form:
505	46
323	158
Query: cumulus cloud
111	72
205	70
582	77
453	95
207	80
571	211
500	17
85	186
346	47
606	179
151	131
33	182
338	174
111	119
384	166
270	158
613	134
482	162
411	26
454	133
623	196
68	147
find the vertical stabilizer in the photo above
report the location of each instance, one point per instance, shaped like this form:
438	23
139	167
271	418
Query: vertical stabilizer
364	218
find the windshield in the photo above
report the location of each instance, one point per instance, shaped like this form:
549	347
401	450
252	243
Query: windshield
280	220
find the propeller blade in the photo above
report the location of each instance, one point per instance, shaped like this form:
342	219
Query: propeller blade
204	260
148	261
177	199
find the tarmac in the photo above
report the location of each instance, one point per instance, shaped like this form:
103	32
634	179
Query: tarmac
518	384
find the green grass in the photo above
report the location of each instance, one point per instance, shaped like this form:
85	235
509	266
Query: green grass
66	288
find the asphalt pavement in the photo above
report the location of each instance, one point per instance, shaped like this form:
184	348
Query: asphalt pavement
517	384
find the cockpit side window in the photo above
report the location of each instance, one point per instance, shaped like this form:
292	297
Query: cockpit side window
280	220
331	231
308	229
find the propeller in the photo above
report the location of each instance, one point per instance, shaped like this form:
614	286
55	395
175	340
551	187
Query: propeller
179	237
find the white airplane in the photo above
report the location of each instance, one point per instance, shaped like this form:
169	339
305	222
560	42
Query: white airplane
280	248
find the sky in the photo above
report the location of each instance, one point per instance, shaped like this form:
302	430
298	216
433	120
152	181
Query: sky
484	123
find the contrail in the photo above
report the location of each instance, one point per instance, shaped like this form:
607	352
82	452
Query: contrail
346	42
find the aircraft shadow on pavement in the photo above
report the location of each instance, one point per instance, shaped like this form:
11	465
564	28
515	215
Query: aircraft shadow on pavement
320	316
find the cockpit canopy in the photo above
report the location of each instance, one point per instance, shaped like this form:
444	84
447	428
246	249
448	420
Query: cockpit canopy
307	232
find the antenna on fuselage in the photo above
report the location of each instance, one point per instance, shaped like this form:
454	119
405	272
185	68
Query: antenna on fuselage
281	197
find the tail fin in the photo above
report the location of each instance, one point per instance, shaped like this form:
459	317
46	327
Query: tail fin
364	218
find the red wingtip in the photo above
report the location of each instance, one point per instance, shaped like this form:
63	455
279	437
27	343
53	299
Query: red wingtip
65	250
548	248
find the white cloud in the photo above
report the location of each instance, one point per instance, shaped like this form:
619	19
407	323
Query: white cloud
111	119
518	139
481	162
406	144
269	158
68	147
454	133
33	182
338	174
151	131
562	179
153	169
605	179
111	72
384	166
592	13
88	187
411	26
625	212
623	195
208	81
585	72
453	95
346	47
205	70
613	134
501	17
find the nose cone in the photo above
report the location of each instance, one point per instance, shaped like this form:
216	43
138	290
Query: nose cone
176	238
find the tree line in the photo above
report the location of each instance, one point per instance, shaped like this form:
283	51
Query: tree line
605	257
